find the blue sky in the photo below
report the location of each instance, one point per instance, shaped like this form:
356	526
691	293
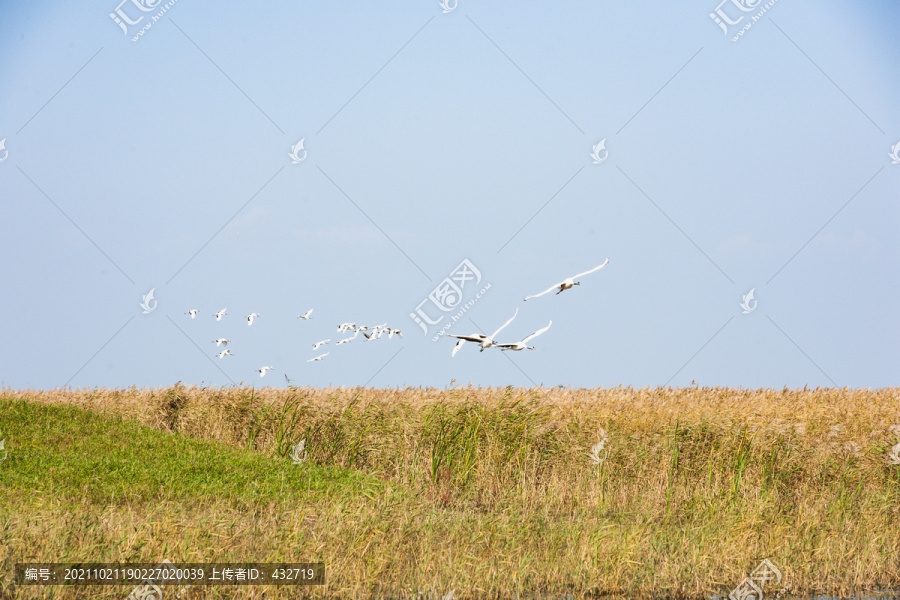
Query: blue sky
431	138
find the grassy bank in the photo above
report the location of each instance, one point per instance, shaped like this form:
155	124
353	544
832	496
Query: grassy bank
490	492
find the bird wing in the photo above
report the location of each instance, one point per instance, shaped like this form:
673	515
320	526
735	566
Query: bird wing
505	324
476	337
537	333
592	270
549	289
458	345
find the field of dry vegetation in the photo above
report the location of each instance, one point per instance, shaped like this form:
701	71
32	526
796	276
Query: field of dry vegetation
488	492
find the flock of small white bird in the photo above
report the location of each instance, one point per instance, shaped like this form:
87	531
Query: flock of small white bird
488	341
370	332
374	332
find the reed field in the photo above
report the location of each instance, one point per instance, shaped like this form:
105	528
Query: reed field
487	492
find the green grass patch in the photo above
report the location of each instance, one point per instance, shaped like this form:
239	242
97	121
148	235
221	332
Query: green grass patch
69	453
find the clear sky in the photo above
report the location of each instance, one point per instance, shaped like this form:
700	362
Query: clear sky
162	161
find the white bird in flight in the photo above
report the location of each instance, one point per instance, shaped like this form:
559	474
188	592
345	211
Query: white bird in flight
220	314
193	312
250	318
346	326
568	283
224	353
374	335
317	344
262	370
522	345
221	342
391	332
376	331
306	316
348	340
485	341
344	341
319	357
